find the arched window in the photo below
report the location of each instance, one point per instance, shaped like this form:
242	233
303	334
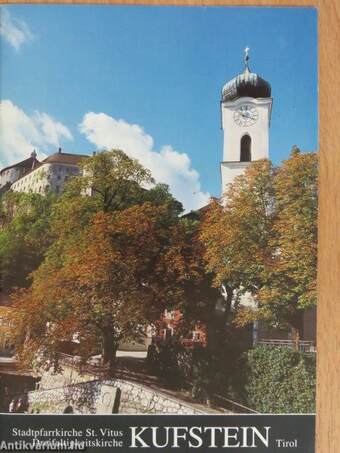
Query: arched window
245	155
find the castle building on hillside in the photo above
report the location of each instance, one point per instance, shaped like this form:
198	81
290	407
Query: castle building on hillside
51	174
12	173
246	107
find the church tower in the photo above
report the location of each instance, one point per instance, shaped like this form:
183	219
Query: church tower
246	107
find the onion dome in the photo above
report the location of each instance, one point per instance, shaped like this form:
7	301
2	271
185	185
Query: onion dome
247	84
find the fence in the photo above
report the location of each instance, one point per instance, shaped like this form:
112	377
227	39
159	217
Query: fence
302	346
233	406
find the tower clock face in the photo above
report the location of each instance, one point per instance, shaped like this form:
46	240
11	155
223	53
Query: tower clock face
246	115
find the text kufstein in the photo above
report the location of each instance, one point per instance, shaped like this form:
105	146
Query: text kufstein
198	436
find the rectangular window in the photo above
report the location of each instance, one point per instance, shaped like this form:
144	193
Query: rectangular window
196	335
169	314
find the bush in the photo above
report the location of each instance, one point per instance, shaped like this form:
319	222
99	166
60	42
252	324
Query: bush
279	380
266	379
201	371
171	361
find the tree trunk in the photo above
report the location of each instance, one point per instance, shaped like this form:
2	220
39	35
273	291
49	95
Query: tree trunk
109	350
230	295
296	338
296	323
217	325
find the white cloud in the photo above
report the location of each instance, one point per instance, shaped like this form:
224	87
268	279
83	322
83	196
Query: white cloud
21	133
15	31
52	130
167	165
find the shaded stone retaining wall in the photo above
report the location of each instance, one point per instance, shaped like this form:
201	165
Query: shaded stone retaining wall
66	376
68	388
136	398
81	397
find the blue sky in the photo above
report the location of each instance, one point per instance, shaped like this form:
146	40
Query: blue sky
150	78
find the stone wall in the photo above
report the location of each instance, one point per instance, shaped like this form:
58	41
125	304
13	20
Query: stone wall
138	399
81	397
65	376
85	394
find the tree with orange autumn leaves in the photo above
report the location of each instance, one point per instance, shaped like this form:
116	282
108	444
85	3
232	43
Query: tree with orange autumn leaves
114	266
123	255
263	241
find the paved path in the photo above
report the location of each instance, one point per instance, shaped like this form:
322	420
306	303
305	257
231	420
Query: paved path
131	365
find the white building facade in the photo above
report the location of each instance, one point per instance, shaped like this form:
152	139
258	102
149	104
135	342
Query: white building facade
49	175
12	173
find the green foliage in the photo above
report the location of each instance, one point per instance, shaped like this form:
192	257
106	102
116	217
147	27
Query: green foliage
24	235
116	180
266	379
263	240
279	380
160	195
296	186
237	235
205	377
171	361
118	256
201	371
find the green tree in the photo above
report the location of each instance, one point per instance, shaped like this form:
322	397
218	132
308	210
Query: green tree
113	179
263	241
24	236
291	286
115	262
125	269
110	181
237	234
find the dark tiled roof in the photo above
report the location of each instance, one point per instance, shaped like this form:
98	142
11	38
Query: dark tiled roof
37	165
27	163
64	158
56	158
198	212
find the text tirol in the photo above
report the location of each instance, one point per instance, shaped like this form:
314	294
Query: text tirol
197	436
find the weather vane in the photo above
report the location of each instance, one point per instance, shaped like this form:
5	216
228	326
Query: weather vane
246	57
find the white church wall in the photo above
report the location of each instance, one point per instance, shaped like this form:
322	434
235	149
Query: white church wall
259	131
229	171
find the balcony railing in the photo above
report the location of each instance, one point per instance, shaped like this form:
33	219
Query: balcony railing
302	345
